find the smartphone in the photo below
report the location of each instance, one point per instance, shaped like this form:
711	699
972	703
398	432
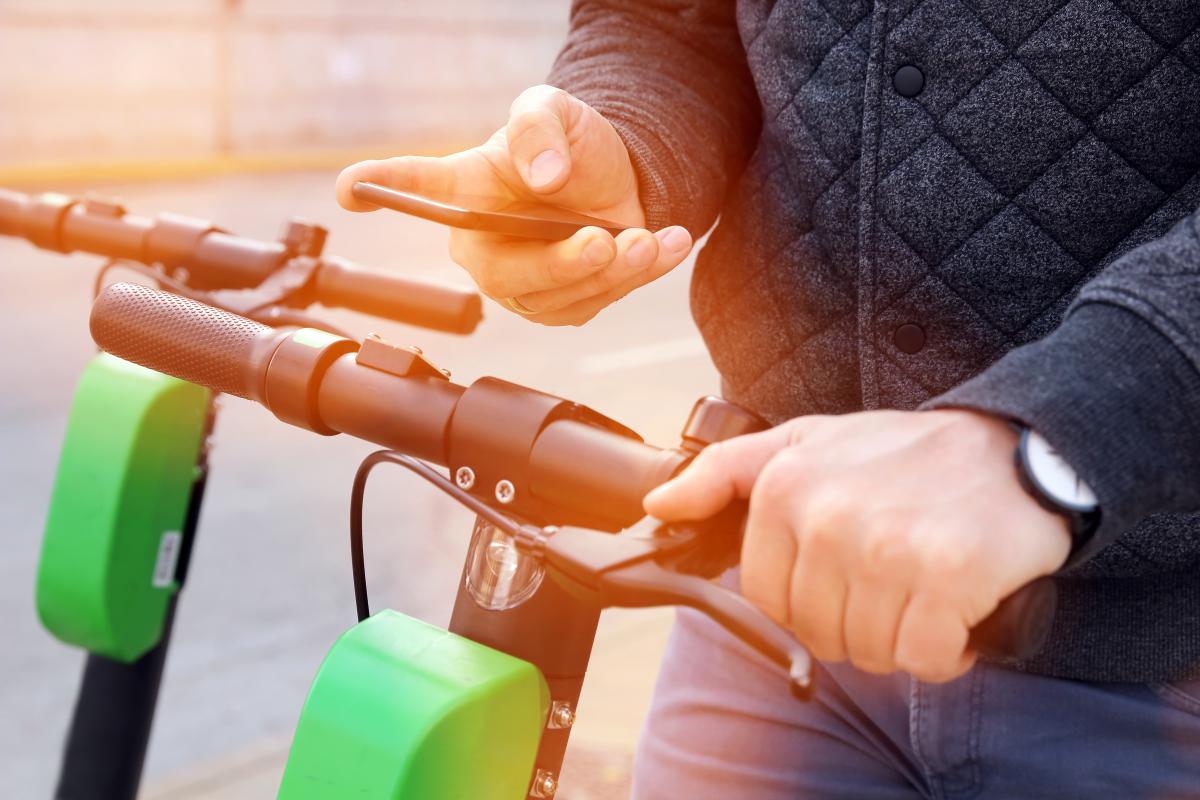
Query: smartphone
529	220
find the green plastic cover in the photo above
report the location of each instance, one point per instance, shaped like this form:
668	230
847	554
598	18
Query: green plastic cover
117	512
401	709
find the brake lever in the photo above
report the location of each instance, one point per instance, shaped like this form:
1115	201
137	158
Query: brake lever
628	571
646	583
287	286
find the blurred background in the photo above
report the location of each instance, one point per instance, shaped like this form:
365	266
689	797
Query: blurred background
130	86
242	113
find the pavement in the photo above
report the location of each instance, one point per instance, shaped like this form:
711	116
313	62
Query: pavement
269	587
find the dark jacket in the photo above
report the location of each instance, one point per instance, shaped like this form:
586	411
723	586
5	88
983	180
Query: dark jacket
1007	224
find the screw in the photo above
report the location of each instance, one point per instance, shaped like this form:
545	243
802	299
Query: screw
544	784
561	715
412	348
505	491
464	477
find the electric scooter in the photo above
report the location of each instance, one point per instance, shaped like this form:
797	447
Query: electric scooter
482	710
133	467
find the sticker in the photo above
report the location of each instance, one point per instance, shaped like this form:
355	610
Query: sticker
168	557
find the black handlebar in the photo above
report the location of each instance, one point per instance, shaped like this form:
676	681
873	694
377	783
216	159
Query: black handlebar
328	384
340	284
206	257
562	463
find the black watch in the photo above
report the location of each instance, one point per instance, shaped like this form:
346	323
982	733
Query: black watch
1056	487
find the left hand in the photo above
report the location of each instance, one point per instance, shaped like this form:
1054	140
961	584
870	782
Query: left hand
881	536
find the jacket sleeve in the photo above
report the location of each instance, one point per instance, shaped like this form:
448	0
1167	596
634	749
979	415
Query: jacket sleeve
671	77
1116	388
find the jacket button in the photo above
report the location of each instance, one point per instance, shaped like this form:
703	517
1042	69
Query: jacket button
909	338
909	81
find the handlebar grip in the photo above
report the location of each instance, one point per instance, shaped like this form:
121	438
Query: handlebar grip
1020	625
11	205
384	294
184	338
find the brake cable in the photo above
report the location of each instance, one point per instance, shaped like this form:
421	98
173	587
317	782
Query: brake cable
521	533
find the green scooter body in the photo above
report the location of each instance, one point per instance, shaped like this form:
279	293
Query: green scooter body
404	710
120	499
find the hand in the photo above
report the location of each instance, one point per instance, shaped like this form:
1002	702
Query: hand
556	150
882	536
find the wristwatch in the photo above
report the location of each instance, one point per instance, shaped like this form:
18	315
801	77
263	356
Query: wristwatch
1056	487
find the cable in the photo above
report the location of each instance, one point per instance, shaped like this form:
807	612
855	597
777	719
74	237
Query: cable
275	316
147	272
358	491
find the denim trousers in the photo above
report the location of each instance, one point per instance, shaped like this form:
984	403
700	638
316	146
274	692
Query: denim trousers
723	725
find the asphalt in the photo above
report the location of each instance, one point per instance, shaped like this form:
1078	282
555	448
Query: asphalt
270	585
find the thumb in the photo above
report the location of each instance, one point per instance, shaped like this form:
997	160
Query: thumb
537	138
426	176
721	473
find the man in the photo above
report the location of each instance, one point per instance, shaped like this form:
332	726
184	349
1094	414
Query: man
951	231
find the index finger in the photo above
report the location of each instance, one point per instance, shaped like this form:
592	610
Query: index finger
722	472
428	176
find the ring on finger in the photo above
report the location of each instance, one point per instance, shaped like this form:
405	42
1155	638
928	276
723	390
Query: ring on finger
519	307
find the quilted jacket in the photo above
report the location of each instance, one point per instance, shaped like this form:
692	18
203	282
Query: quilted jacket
981	203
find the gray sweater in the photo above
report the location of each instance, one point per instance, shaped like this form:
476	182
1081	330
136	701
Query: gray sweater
925	203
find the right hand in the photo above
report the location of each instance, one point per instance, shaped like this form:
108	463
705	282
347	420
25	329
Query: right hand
557	150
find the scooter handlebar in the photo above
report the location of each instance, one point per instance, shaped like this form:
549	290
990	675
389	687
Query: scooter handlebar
313	380
215	259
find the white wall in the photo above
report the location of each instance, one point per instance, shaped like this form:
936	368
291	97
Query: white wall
127	79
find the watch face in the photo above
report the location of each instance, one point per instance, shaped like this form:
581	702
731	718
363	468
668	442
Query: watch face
1054	476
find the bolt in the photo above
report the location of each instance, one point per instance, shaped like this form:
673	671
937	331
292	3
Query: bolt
561	715
505	491
464	477
544	784
412	348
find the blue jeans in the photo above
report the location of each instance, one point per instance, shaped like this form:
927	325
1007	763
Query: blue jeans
723	725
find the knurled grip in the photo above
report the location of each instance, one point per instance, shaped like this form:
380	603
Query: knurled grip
184	338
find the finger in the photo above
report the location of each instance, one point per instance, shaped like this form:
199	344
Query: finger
537	138
616	280
768	553
503	267
423	175
722	472
931	641
872	617
817	608
637	250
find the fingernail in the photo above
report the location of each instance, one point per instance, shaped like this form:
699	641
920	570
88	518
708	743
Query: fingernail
545	167
639	255
674	239
598	252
